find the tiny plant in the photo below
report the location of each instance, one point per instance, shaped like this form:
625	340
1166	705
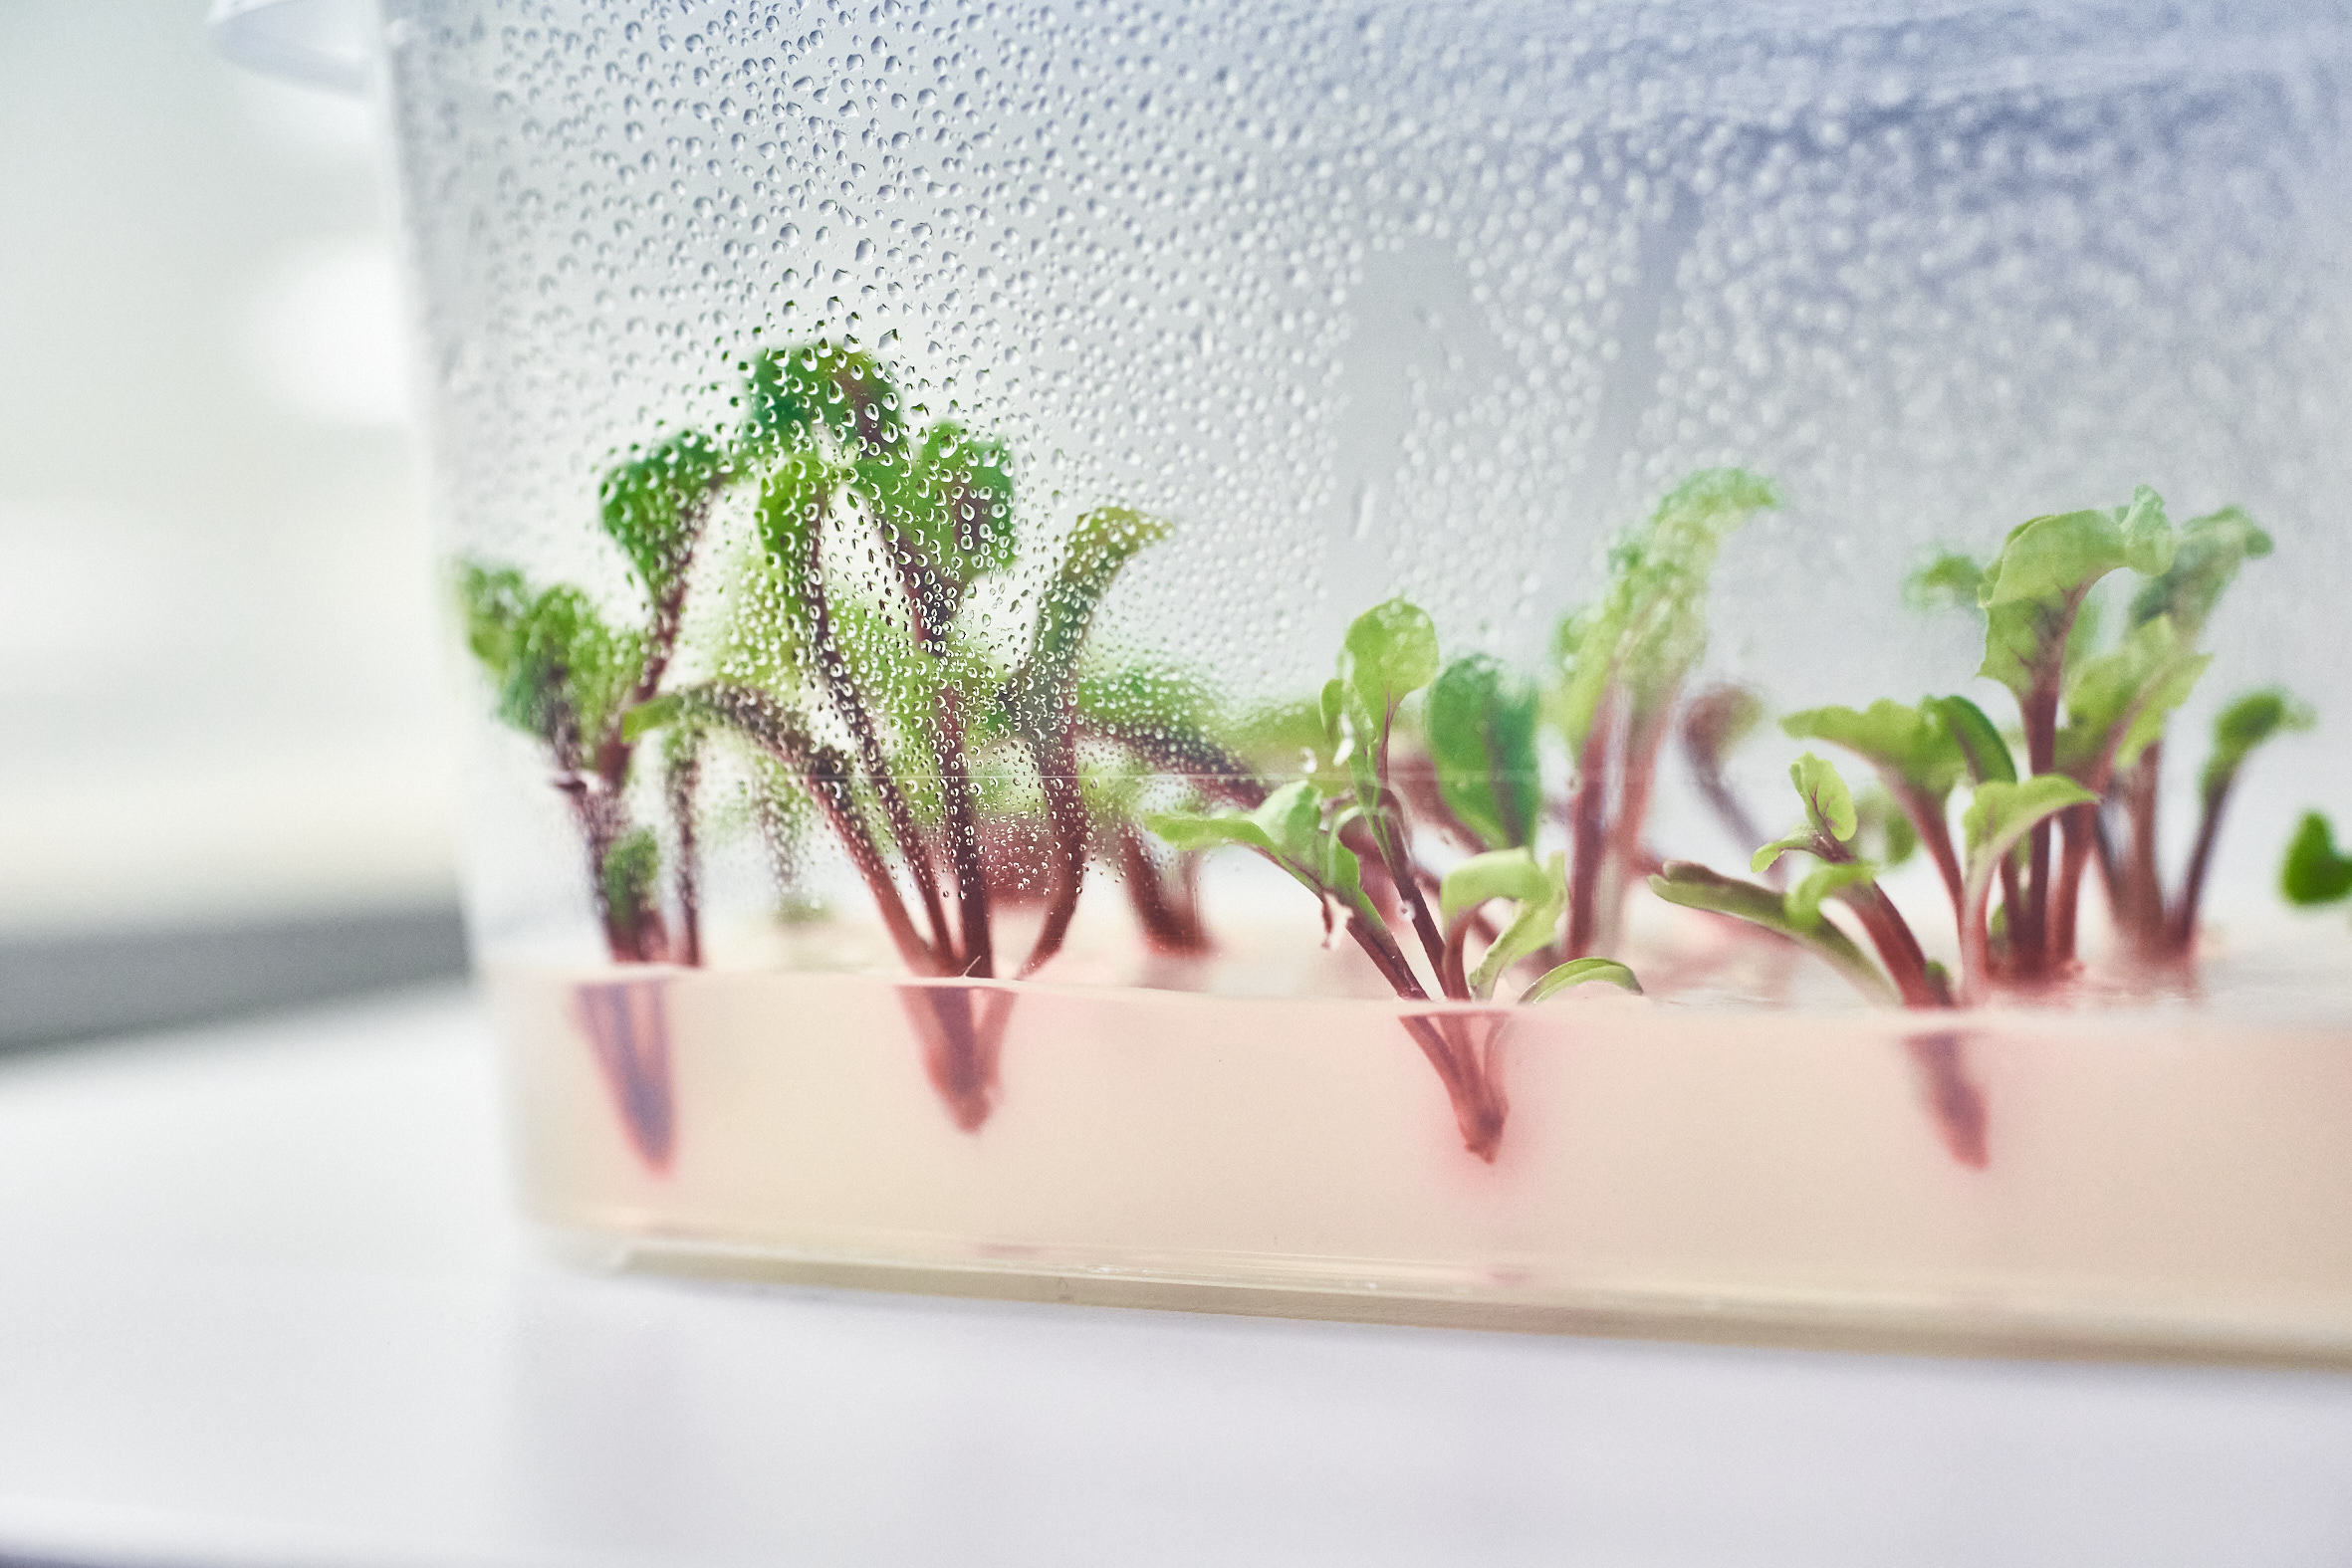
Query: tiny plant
1479	726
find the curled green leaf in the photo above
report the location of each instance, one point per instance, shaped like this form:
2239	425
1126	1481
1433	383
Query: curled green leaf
1770	856
1695	887
1500	874
653	507
2250	721
1578	971
1803	901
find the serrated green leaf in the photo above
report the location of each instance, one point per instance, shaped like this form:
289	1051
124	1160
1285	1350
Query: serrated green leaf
1578	971
2314	873
1916	744
945	511
1480	732
1803	901
1829	805
652	507
2250	721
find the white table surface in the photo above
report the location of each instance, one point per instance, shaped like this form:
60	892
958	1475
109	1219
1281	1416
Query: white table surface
262	1302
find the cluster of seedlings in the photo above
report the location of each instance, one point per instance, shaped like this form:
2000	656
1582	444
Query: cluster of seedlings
872	647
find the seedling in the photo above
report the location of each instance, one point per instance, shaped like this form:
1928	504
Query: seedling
1328	841
1622	662
862	687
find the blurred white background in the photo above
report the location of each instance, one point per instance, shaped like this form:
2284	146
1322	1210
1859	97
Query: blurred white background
220	674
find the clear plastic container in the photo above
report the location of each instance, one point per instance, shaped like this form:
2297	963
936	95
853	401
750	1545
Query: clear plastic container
1138	650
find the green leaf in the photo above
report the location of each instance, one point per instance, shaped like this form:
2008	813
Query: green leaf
2247	723
1988	755
1829	805
1578	971
793	499
1287	829
829	386
1532	926
1915	744
2049	557
1390	650
1099	546
1998	814
492	603
632	868
653	507
1803	901
1499	873
2211	549
569	673
945	510
1948	581
2118	702
1695	887
2314	873
1480	732
1769	856
2045	566
1650	626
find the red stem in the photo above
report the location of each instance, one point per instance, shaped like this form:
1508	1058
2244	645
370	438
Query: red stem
1450	971
2029	924
1168	926
684	778
2182	933
1935	831
832	667
1588	828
